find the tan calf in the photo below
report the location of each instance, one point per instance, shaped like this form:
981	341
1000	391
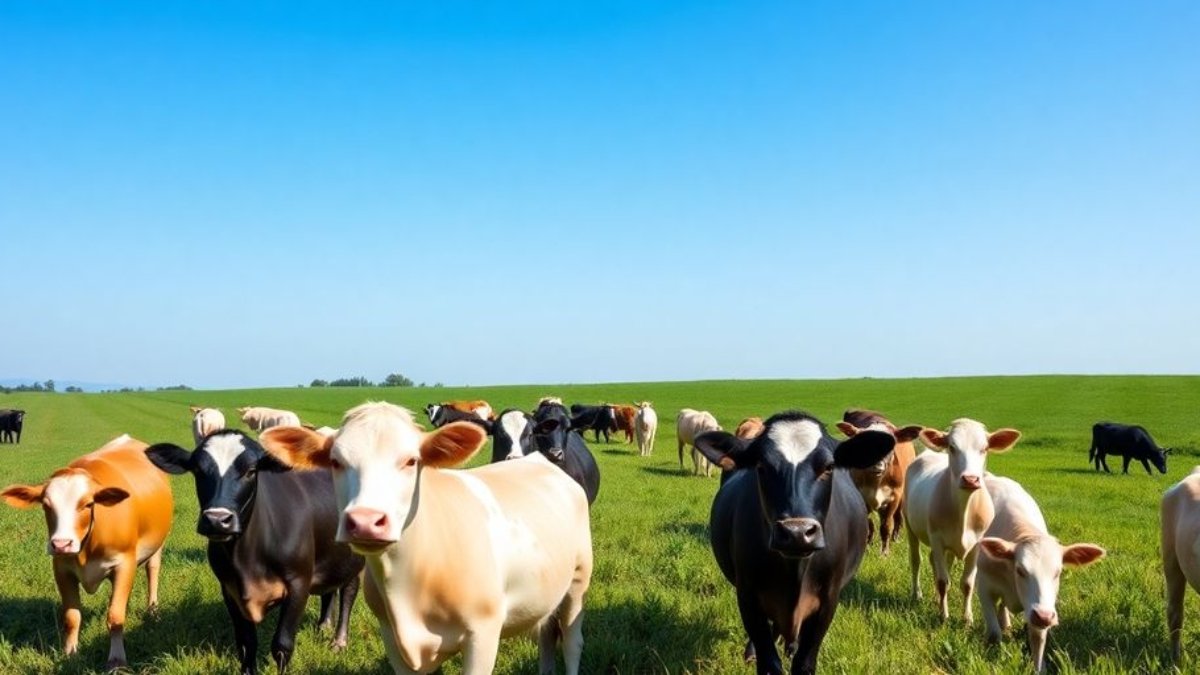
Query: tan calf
206	421
645	428
688	425
1180	513
259	419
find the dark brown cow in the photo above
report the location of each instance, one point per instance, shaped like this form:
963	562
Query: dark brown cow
625	415
882	485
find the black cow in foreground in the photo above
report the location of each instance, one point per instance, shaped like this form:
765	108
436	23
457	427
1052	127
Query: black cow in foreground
441	415
554	437
512	435
11	423
789	529
601	419
271	539
1130	441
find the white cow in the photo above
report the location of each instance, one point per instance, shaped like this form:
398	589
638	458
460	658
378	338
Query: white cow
688	425
260	419
1180	549
947	506
1020	566
206	421
645	427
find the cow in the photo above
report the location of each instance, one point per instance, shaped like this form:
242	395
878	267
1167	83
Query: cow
492	552
688	425
270	536
788	529
1180	523
645	427
1020	565
946	503
547	400
554	436
11	423
206	421
259	419
623	416
599	418
882	485
441	415
326	431
749	428
108	513
512	435
1131	442
480	408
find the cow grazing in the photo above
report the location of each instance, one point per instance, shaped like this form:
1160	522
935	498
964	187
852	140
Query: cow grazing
480	408
645	427
259	419
788	529
688	425
108	512
270	539
11	423
749	428
512	435
1180	513
1131	442
441	415
1020	565
496	551
554	437
882	484
623	416
946	503
205	422
599	418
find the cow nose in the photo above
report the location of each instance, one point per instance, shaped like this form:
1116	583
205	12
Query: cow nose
60	545
220	520
800	535
970	481
1043	618
556	454
367	524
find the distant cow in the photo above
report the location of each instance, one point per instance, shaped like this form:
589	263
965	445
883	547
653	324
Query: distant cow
108	513
1130	441
788	530
623	416
1180	513
882	484
512	435
259	419
554	436
599	418
440	415
270	537
205	422
645	428
947	506
688	425
11	423
749	428
1020	566
478	407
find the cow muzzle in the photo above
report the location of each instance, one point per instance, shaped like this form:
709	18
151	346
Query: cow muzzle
218	524
62	546
556	455
368	530
797	537
970	482
1043	618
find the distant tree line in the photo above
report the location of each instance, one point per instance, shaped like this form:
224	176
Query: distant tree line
48	386
392	380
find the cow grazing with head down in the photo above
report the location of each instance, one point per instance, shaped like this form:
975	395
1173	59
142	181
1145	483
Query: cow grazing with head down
108	513
1180	531
270	537
1131	442
789	529
259	419
645	427
882	484
688	425
947	506
205	422
512	435
554	436
599	418
11	423
456	560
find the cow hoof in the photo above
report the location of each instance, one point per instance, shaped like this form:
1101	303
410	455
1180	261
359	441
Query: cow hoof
115	664
152	612
749	656
338	644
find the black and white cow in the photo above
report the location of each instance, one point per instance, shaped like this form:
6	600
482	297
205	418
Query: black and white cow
512	435
11	423
1130	441
271	539
554	437
789	529
441	415
601	419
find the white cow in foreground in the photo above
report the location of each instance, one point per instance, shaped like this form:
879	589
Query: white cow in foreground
456	560
947	506
1020	566
206	421
645	427
688	425
259	419
1180	555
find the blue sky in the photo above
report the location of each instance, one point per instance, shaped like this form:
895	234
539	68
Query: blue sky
231	194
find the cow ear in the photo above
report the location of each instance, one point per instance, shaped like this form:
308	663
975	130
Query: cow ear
1003	439
908	433
1082	554
724	449
170	458
848	429
296	447
110	496
452	445
998	548
865	448
194	409
934	439
22	496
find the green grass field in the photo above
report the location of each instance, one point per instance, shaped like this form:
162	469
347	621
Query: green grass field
658	603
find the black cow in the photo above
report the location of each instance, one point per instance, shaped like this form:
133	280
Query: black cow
512	435
601	419
554	437
270	536
11	423
441	415
789	529
1129	441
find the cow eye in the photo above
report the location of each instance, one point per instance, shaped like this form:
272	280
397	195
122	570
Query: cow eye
85	507
335	464
410	462
1021	572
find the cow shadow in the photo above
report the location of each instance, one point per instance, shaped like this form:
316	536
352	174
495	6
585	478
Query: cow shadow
660	471
31	623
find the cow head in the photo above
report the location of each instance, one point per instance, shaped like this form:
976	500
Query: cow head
1160	458
551	429
1035	565
512	435
225	467
904	435
377	458
69	499
968	444
794	460
431	410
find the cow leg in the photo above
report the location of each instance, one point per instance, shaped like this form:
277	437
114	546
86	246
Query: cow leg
245	635
897	521
153	565
345	604
758	629
1176	589
681	455
72	614
1146	466
968	583
1125	463
812	633
941	575
988	601
122	585
1102	462
290	612
914	562
885	528
871	528
325	619
479	653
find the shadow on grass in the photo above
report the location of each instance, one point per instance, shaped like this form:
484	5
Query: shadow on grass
660	471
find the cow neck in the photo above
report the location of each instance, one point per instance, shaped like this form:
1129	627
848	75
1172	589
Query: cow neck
975	509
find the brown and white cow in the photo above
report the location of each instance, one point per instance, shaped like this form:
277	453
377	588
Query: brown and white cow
1180	511
1020	566
479	407
205	422
625	415
108	513
947	506
749	428
882	484
645	428
483	554
689	424
259	419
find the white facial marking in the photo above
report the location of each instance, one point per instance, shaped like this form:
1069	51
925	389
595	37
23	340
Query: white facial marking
795	439
62	495
514	424
224	450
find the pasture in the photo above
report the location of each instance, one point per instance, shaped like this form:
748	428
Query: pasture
657	602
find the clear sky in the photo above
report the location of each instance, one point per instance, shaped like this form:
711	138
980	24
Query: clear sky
231	194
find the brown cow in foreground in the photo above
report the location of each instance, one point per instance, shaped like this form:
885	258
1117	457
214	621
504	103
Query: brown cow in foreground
882	484
108	512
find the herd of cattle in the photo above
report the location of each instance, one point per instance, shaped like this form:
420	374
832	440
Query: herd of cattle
300	511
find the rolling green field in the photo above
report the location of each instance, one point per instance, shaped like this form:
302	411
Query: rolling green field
657	602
